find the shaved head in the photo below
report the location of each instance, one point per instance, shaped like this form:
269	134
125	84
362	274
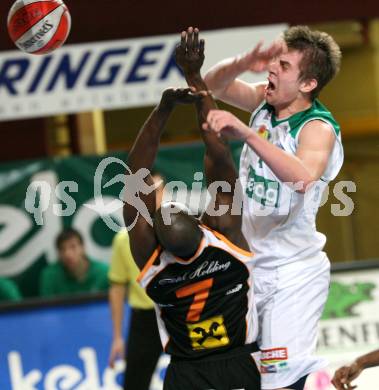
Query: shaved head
177	231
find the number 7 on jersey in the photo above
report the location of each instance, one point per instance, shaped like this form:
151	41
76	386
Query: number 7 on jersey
200	290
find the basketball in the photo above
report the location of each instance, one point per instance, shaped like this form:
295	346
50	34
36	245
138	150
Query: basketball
39	26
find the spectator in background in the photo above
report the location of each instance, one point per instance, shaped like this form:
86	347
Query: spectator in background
74	272
9	290
144	346
345	375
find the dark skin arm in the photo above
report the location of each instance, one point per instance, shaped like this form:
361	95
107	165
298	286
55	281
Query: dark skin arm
218	161
345	375
142	156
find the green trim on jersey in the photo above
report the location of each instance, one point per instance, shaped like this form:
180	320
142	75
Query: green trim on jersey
297	121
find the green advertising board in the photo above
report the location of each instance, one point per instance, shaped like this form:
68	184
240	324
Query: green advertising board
39	198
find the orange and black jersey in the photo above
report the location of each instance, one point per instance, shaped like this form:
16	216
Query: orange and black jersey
204	305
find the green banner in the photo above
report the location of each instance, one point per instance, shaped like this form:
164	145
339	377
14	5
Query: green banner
39	198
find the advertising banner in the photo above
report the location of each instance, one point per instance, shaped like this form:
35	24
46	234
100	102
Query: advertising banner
39	198
349	326
109	75
67	347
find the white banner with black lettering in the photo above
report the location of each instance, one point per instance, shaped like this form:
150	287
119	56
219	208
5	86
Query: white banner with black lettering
109	74
349	327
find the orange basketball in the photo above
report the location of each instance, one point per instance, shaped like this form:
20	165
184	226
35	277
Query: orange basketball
39	26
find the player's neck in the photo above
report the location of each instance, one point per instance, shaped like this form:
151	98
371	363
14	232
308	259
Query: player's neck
287	110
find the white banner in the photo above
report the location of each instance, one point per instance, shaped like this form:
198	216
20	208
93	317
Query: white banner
350	327
109	74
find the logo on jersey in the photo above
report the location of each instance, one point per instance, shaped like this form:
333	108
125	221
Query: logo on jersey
263	132
208	334
235	289
274	360
274	355
262	190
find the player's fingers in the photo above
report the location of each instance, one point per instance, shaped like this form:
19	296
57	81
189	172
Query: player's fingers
196	39
338	385
186	90
204	93
213	115
112	359
216	124
205	126
190	38
183	40
201	47
257	48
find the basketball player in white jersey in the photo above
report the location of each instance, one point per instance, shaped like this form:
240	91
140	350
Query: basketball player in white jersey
292	151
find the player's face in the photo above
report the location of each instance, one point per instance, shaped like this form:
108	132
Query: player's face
71	253
283	80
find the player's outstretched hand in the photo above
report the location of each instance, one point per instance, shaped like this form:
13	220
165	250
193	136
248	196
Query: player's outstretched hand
223	123
189	53
174	96
258	59
345	375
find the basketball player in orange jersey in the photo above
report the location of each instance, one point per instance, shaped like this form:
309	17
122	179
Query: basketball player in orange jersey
198	272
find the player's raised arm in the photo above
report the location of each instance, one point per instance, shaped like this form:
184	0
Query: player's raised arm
189	57
219	167
140	202
223	80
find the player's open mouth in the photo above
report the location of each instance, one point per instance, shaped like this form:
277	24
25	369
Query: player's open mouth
270	86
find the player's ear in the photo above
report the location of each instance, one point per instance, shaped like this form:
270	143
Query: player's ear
308	86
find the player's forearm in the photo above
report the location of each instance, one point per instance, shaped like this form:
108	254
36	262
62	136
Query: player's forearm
218	160
216	147
217	152
145	147
288	168
369	360
221	75
196	80
116	301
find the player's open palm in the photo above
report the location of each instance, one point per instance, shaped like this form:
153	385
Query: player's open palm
258	59
189	54
223	123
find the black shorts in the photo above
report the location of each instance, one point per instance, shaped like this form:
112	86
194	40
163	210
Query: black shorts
220	372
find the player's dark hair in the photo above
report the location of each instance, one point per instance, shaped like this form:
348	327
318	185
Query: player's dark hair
67	234
321	55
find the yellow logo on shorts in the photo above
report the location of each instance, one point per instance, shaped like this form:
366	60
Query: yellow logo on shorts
207	334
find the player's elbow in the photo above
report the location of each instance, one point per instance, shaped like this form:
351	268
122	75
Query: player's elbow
304	184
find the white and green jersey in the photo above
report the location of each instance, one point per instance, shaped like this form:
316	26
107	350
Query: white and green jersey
278	222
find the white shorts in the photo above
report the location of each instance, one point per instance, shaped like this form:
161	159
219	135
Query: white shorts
290	301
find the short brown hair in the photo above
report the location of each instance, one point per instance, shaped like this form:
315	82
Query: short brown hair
321	55
67	234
